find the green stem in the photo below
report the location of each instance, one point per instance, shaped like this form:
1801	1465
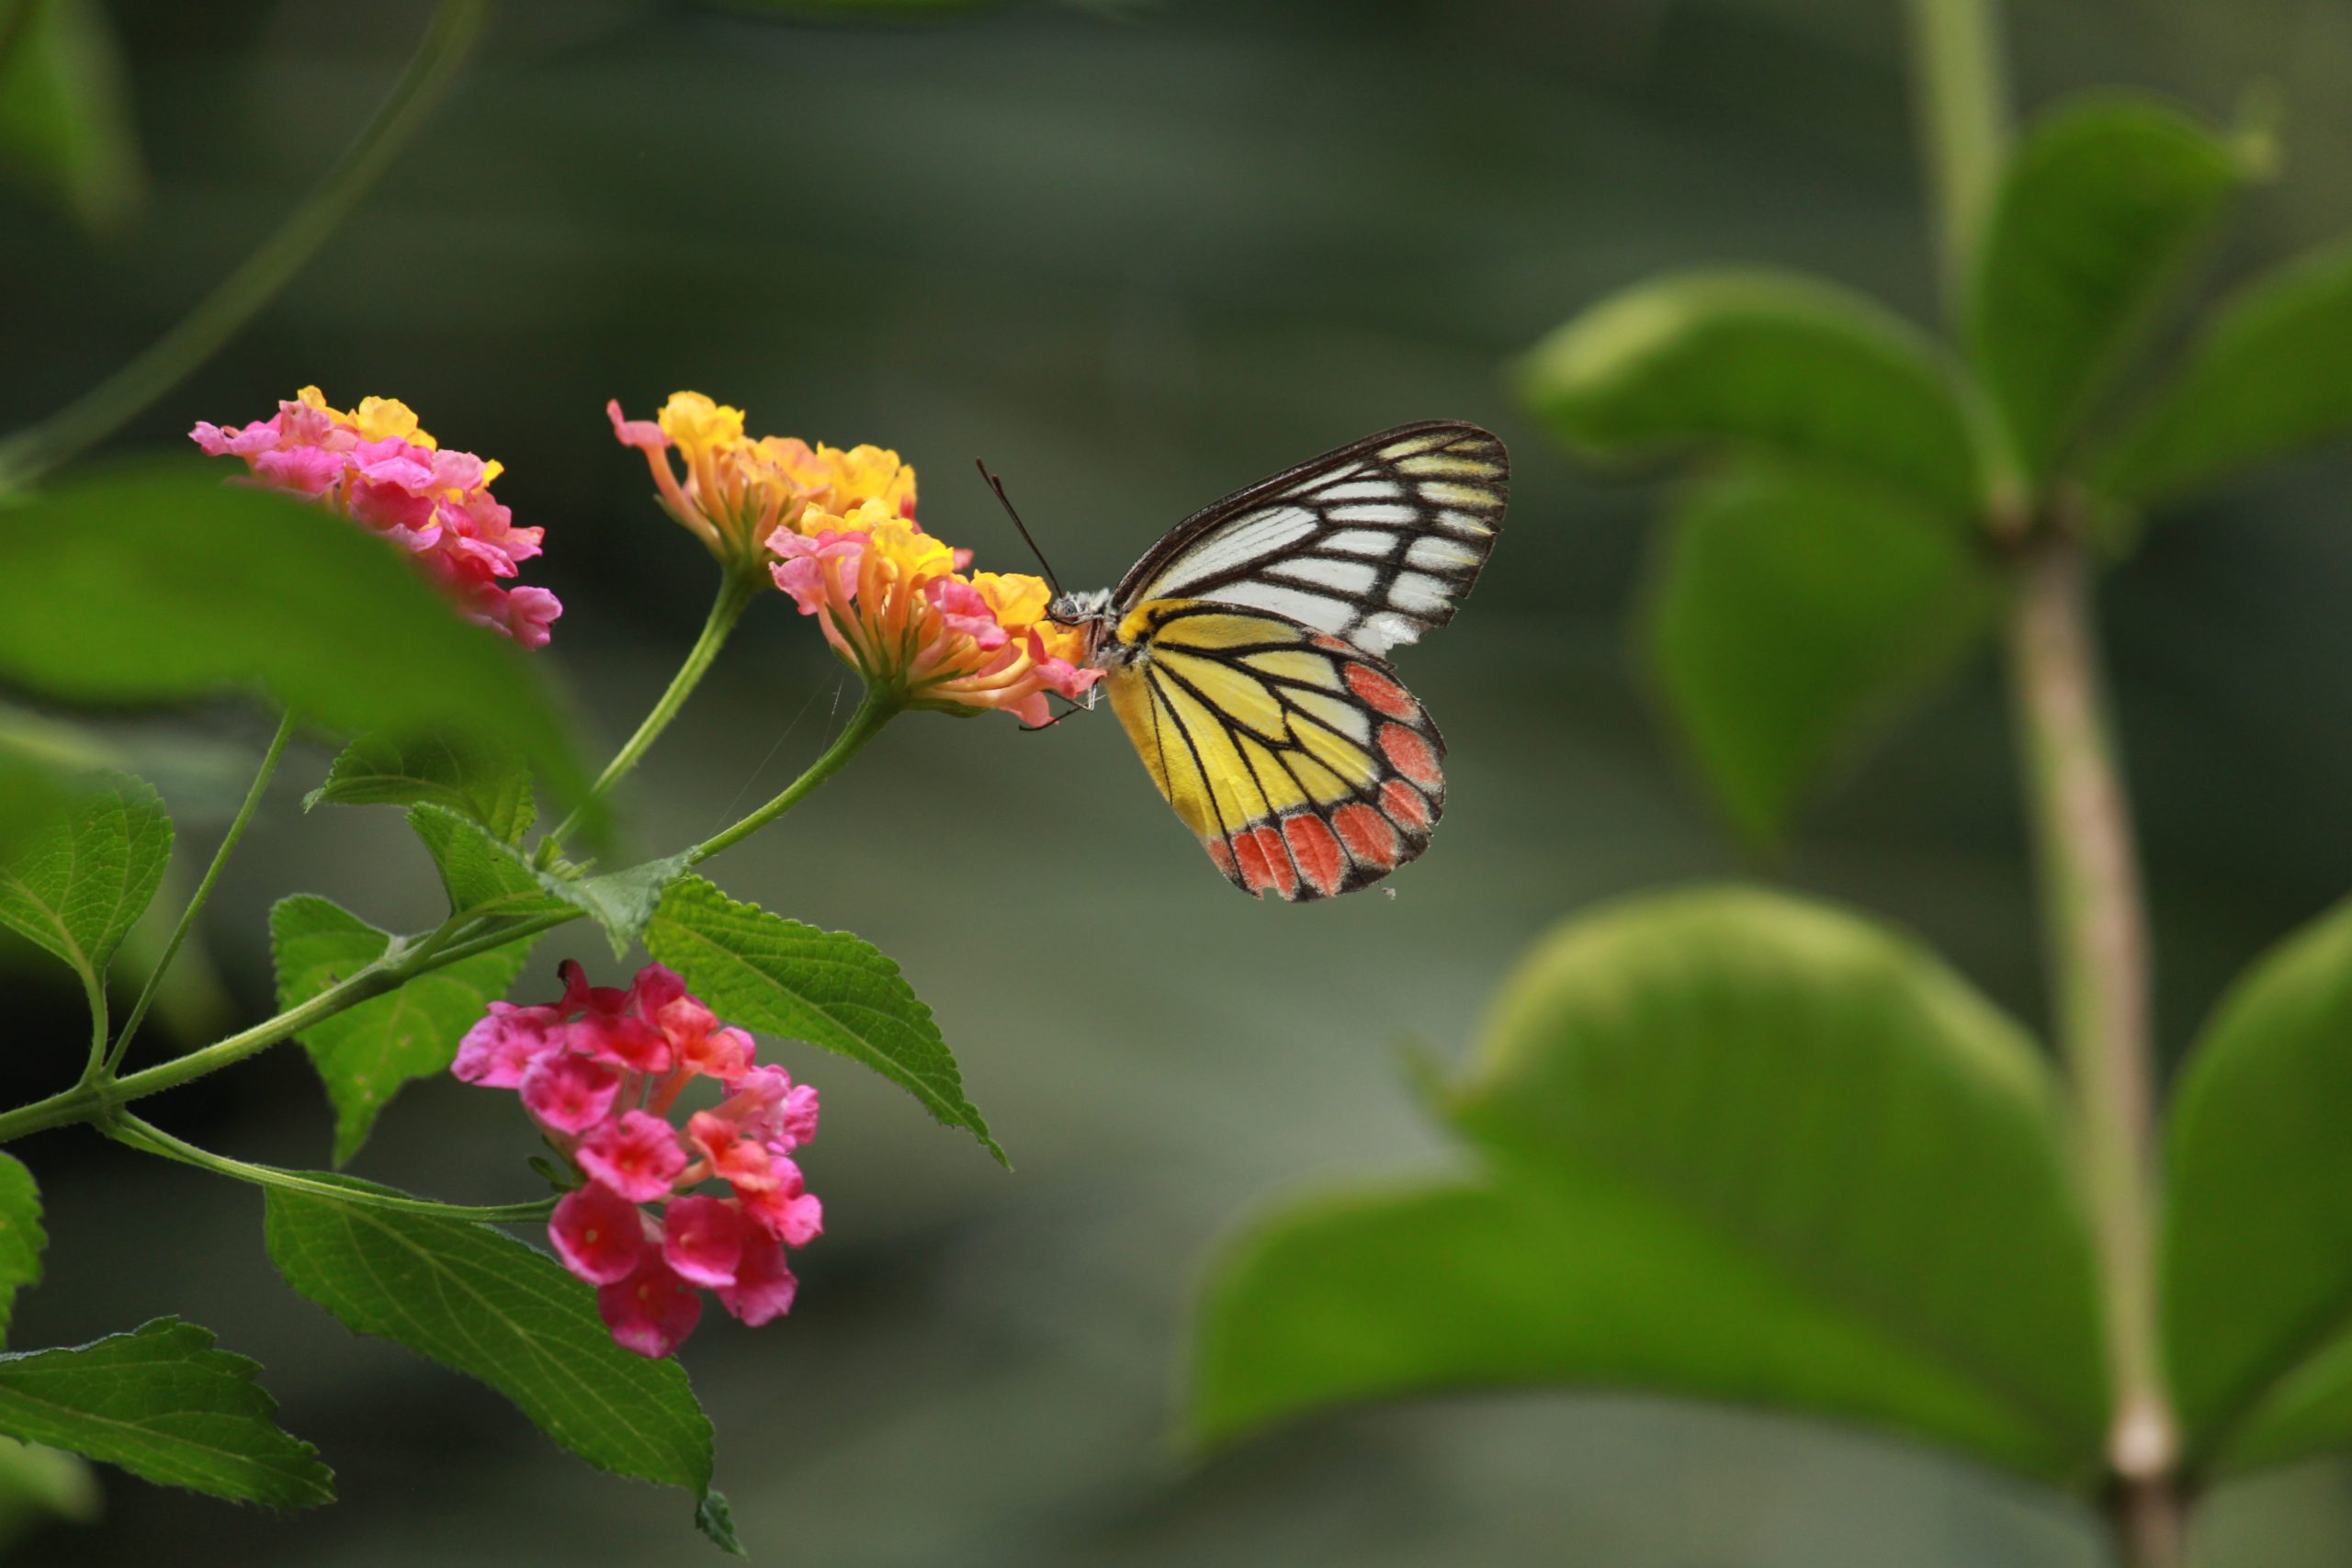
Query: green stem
873	712
2094	922
94	993
736	592
1962	95
98	1098
203	891
97	414
151	1139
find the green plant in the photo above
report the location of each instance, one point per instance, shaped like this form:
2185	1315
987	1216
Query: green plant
1735	1146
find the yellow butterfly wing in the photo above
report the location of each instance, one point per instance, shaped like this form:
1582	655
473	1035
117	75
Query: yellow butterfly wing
1301	761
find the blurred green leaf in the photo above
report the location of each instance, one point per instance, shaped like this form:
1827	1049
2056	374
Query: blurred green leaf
830	989
1792	616
2258	1258
78	882
1761	362
157	581
2267	377
37	1482
21	1239
165	1405
365	1054
482	1304
1740	1147
66	125
487	782
2101	211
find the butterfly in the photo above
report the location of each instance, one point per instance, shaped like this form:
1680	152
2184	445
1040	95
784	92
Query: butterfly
1245	655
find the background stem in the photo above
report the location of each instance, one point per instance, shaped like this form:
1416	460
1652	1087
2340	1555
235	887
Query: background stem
2096	925
104	408
1961	93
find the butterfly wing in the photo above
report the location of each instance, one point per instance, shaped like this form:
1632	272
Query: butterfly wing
1302	762
1376	542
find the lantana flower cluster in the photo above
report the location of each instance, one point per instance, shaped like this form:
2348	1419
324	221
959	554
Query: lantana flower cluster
837	531
600	1071
376	467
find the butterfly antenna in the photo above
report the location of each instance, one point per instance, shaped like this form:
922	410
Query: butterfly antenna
997	485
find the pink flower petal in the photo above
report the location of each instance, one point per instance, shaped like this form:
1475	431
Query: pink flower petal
642	434
702	1239
763	1286
498	1050
599	1235
636	1155
570	1093
652	1311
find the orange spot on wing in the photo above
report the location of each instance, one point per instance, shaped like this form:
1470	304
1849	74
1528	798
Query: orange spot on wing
1220	855
1329	644
1381	692
1256	875
1369	836
1407	804
1269	840
1411	756
1316	853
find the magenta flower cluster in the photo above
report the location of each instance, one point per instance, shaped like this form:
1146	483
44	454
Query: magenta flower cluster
600	1071
377	467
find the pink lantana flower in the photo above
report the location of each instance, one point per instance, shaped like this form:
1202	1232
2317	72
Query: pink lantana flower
376	467
896	607
599	1070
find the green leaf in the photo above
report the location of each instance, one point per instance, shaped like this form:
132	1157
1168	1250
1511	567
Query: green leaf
829	989
2101	211
2265	379
1792	617
21	1238
165	1405
1738	1147
481	874
2257	1257
78	883
486	782
37	1482
484	876
715	1516
482	1304
65	126
365	1054
620	901
158	581
1761	362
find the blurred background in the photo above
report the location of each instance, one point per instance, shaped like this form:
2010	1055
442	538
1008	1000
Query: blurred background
1135	255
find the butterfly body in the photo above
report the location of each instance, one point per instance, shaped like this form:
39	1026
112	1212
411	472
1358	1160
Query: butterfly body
1245	655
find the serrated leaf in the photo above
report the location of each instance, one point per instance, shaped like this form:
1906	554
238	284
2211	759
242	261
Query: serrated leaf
482	1304
2265	379
486	782
2100	212
1737	1146
65	126
1793	617
1763	363
159	581
620	901
21	1238
483	875
163	1405
715	1516
78	882
830	989
365	1054
2257	1255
